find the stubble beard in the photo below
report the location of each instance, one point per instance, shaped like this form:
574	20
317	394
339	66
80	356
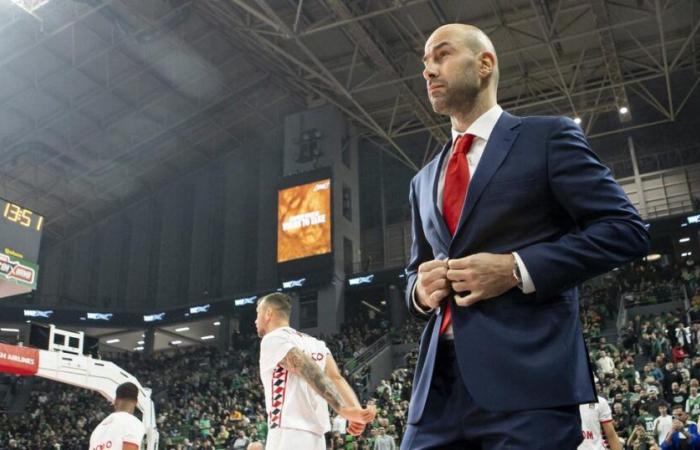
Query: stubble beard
457	98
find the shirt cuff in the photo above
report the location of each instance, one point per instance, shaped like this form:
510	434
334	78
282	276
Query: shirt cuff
418	307
528	284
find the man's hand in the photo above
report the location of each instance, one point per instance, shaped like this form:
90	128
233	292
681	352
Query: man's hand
432	285
483	275
677	425
356	428
358	414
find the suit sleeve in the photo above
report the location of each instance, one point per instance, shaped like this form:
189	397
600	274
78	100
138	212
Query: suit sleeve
420	252
608	231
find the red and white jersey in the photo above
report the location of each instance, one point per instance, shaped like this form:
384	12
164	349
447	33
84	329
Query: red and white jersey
115	430
290	401
593	415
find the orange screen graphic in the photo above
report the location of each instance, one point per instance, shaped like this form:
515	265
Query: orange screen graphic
304	221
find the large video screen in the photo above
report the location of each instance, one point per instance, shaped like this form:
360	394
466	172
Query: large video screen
304	221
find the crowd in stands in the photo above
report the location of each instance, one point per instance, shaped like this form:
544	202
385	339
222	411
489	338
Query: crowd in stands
649	374
209	399
204	399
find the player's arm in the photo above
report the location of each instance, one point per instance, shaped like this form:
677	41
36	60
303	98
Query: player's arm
301	364
130	446
611	435
348	394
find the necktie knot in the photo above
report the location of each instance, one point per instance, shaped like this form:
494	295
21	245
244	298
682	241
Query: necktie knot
463	144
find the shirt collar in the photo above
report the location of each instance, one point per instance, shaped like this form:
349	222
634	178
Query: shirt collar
483	126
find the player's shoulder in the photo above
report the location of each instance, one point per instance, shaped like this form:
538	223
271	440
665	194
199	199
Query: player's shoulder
127	419
603	401
276	334
280	335
110	419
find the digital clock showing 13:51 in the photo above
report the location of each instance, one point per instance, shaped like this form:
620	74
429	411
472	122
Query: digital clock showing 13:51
22	217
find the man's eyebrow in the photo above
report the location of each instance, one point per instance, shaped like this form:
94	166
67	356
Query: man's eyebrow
436	48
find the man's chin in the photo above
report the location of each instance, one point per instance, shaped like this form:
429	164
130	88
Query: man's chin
439	106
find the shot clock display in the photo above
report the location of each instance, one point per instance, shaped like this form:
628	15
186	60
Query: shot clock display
20	231
22	216
20	236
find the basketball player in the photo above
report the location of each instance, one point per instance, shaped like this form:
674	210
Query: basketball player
596	419
301	378
120	430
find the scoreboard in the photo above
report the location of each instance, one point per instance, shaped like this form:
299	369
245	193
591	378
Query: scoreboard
20	231
20	238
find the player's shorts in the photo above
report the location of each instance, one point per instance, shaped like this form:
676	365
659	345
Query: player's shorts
292	439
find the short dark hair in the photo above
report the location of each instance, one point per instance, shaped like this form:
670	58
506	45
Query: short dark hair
279	302
128	391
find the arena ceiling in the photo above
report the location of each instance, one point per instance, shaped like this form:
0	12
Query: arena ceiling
104	101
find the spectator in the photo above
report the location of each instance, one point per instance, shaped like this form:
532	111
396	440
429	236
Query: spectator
606	365
677	395
646	420
223	436
678	354
692	405
241	441
639	440
662	424
681	430
383	441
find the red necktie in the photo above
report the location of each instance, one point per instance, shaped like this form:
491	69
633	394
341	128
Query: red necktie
454	194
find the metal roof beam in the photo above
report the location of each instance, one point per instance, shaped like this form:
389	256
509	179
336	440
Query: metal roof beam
384	63
324	75
610	56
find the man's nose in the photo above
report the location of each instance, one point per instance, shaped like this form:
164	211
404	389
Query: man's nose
430	71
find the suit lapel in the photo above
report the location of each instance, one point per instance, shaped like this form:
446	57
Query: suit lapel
497	148
445	235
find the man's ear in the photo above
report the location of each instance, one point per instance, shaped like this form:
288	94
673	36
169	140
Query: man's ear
487	64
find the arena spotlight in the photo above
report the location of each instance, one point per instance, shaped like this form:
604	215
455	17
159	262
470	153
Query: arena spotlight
112	341
175	342
30	5
624	110
577	120
217	323
207	337
684	240
181	329
653	257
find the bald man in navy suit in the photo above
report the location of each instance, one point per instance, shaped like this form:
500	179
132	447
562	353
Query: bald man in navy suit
508	219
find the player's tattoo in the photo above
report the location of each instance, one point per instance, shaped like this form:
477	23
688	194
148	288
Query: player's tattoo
298	362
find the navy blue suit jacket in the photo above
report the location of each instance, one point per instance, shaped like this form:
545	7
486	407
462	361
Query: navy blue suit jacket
538	190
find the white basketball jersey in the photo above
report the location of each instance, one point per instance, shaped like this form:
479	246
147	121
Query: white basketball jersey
593	415
115	430
290	401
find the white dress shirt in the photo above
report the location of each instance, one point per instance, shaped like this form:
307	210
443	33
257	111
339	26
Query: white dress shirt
481	129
